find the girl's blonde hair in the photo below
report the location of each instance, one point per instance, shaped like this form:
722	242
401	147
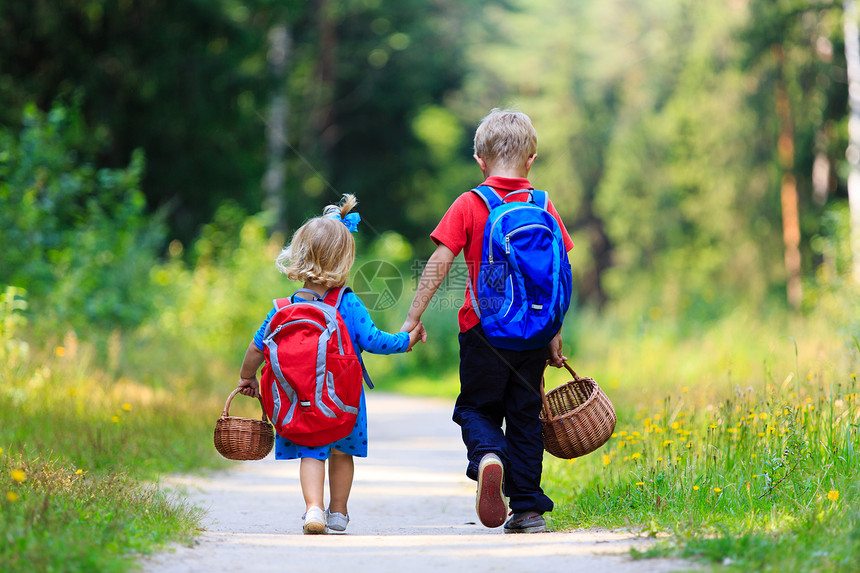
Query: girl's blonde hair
505	136
322	250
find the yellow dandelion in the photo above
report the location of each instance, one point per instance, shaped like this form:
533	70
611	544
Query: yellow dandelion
614	435
833	495
667	443
713	426
79	472
660	459
126	407
60	351
675	425
718	489
18	475
683	389
12	496
761	434
635	456
115	419
1	450
606	459
695	488
640	483
622	433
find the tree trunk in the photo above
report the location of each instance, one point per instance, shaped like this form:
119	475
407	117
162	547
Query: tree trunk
852	57
276	130
788	186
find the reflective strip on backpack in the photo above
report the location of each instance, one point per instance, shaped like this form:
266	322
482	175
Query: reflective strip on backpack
335	398
475	306
280	380
330	313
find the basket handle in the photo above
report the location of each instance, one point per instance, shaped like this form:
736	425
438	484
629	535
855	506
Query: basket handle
546	410
226	411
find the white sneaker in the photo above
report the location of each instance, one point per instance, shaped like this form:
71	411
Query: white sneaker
336	521
314	521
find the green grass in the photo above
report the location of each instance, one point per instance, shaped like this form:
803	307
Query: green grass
79	451
743	443
56	518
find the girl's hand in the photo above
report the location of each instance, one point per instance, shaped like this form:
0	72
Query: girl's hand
249	387
417	334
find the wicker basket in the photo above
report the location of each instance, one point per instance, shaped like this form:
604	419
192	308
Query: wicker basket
243	438
576	418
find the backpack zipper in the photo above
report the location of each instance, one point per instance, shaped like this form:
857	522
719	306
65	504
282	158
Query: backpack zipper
317	304
517	230
301	320
496	222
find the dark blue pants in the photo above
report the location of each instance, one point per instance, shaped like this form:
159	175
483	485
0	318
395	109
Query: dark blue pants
499	385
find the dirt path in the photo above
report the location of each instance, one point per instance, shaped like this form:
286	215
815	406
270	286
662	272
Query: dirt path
412	509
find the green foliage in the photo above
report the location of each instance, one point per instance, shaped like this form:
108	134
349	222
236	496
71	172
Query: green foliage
184	81
76	237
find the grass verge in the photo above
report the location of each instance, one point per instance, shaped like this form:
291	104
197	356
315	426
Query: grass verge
755	471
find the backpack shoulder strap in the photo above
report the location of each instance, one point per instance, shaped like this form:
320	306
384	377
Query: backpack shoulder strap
541	199
489	196
281	303
334	296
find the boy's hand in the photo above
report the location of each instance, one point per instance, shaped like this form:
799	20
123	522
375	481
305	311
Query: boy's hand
409	324
249	387
556	358
417	334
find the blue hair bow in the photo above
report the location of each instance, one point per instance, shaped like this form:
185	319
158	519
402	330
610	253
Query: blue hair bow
351	221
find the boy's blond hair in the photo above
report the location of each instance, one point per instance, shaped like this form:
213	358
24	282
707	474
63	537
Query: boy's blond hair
506	137
322	250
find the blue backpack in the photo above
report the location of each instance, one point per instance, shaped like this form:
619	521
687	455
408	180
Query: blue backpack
524	283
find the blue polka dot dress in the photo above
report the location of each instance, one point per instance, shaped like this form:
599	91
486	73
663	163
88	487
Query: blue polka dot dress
365	336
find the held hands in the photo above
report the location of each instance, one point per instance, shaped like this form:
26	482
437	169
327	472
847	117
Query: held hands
416	334
416	331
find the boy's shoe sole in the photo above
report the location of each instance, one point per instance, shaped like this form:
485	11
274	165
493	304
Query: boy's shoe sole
490	504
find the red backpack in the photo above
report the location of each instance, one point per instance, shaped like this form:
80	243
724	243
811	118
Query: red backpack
311	380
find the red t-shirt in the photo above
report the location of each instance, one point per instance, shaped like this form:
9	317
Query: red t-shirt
462	229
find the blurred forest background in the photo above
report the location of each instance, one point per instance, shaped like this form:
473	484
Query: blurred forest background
155	156
696	151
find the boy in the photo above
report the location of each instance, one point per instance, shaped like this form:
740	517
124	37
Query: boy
496	384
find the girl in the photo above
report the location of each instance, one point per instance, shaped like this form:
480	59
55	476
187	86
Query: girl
321	255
